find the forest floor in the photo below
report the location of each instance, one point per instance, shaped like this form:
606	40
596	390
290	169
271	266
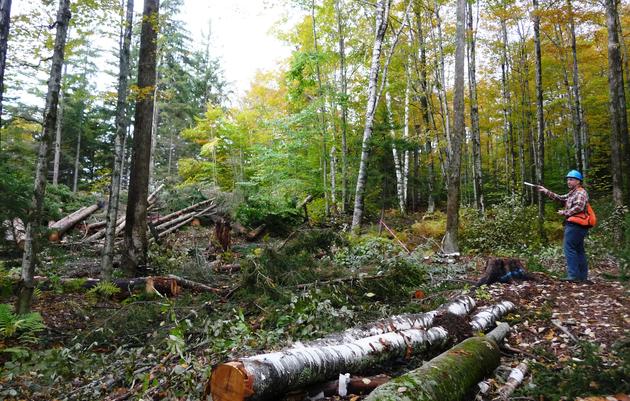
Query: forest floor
573	335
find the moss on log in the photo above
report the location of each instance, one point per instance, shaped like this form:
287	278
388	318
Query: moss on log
449	376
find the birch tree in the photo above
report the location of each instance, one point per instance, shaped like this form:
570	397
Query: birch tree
474	113
451	243
343	83
381	17
119	140
27	283
136	243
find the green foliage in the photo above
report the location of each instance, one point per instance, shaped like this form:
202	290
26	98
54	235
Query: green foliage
23	328
279	215
60	201
365	251
504	228
102	291
586	374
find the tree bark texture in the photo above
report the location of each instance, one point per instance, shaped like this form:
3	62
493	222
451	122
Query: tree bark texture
381	17
119	150
57	156
5	19
58	228
577	101
265	376
448	376
618	118
50	119
540	122
136	243
344	108
516	377
451	242
474	114
396	156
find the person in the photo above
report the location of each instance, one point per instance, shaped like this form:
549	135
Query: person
575	202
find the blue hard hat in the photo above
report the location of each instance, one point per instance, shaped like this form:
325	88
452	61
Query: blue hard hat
575	174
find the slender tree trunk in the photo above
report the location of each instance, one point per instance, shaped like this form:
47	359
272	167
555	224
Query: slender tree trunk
119	141
136	243
397	157
617	105
57	144
50	120
441	80
344	110
625	140
5	19
381	17
405	172
540	159
507	111
577	101
77	162
154	130
451	242
424	106
474	114
322	112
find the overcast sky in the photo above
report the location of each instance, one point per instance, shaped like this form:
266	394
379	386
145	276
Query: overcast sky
240	35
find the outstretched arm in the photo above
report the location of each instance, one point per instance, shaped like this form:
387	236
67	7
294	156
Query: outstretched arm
552	195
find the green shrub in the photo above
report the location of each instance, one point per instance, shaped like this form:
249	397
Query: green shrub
279	215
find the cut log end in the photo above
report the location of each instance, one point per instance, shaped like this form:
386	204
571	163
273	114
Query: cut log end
230	382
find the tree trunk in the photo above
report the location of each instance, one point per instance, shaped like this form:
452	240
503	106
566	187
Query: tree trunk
516	377
441	81
381	17
449	376
451	243
58	228
57	156
617	109
507	110
344	109
5	19
405	167
474	113
577	101
268	375
540	154
50	119
75	179
398	169
119	141
136	244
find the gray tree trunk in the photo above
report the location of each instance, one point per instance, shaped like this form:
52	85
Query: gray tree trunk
344	109
577	101
507	110
451	242
75	178
322	113
618	119
540	122
474	113
397	158
27	283
381	17
119	140
136	243
57	145
5	19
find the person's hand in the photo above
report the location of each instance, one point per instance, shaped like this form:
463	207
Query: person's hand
540	188
561	212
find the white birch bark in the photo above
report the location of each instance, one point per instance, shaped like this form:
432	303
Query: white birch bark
405	172
381	16
397	160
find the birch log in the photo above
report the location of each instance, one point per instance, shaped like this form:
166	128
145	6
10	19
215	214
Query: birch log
514	380
58	228
448	376
488	316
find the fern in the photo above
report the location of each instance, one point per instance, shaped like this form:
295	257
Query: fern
24	328
103	290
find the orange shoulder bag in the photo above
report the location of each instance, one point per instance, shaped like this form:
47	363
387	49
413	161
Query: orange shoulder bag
586	218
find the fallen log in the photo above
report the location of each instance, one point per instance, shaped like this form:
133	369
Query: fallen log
460	306
170	216
58	228
514	380
489	315
448	376
346	385
263	376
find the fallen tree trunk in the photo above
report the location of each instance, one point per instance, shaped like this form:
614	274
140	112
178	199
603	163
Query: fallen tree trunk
460	306
489	315
449	376
58	228
168	217
263	376
514	380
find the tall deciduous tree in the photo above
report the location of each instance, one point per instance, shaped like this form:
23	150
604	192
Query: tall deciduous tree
50	119
451	243
540	154
5	19
121	130
617	102
381	17
474	113
136	243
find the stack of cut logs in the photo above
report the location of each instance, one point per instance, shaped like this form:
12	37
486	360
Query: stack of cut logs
268	376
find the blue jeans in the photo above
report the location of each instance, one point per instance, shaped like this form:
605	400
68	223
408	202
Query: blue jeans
577	266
